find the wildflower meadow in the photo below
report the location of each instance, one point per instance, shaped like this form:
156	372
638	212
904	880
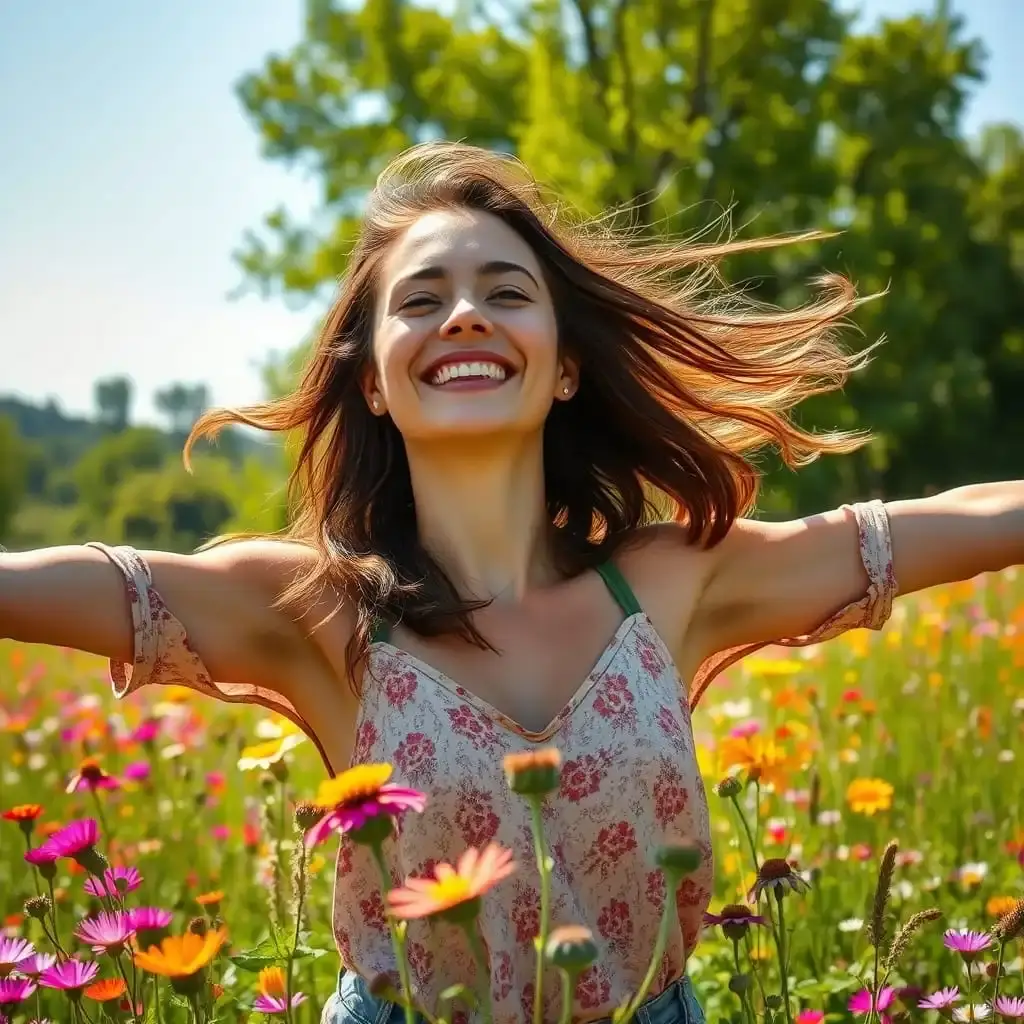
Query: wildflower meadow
170	859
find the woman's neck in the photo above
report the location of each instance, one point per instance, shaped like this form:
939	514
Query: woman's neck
481	513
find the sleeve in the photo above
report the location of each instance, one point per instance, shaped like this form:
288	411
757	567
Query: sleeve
871	611
163	654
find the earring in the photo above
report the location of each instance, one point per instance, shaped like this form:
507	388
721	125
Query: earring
565	390
376	404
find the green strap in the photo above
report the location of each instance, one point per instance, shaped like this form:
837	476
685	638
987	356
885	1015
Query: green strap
619	588
381	632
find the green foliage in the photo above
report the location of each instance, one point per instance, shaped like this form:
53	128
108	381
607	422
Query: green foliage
13	473
113	461
782	113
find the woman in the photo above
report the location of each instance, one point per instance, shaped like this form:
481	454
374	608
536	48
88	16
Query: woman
497	404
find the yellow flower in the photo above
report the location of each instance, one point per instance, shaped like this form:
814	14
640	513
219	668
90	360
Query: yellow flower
181	956
867	796
263	755
762	759
355	784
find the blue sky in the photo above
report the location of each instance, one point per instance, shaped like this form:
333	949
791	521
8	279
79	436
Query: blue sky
129	173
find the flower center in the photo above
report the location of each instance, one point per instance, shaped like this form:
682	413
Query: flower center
775	868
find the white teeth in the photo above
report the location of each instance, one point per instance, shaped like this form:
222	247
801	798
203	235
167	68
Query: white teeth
450	371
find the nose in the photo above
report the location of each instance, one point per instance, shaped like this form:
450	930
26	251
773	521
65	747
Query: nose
465	319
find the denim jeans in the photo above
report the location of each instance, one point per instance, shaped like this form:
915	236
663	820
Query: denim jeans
352	1003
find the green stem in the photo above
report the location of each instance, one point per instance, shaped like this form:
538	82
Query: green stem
744	997
667	914
397	935
544	868
568	991
482	969
999	970
783	965
299	900
749	834
101	816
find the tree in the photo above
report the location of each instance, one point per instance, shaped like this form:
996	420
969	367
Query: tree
777	110
13	472
113	460
182	404
113	399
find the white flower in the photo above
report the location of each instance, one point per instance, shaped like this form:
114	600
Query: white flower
737	708
972	1011
1005	756
851	924
830	817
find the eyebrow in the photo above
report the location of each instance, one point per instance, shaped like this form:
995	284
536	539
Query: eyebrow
434	273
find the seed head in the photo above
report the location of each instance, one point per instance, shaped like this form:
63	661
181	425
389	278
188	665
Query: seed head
1011	925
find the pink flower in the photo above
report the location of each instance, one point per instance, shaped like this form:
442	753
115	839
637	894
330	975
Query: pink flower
36	964
137	771
74	839
276	1004
71	975
809	1017
116	881
15	990
966	942
106	933
1009	1007
860	1002
12	952
941	1000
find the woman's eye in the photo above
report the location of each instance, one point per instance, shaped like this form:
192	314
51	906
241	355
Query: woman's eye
510	295
418	301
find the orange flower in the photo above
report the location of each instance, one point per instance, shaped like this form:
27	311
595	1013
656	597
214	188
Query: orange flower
207	899
23	812
453	893
272	982
181	956
105	990
761	758
997	906
867	796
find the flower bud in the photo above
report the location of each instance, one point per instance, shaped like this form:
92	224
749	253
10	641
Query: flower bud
307	814
728	788
280	771
739	984
199	926
38	907
571	947
678	858
533	772
773	1002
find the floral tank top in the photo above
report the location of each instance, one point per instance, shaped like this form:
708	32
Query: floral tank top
629	780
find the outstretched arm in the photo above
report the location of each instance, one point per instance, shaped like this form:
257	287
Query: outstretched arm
768	581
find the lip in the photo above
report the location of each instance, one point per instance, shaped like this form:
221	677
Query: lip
468	356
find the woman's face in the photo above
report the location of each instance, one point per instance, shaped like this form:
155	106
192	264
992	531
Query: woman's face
465	341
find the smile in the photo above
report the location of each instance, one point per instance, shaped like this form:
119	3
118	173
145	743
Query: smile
475	371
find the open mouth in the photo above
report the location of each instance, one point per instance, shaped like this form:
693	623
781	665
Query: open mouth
468	373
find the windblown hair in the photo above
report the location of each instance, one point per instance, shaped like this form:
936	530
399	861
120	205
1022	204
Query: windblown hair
681	381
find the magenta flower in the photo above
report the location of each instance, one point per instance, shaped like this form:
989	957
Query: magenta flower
966	942
75	838
276	1004
941	1000
359	795
15	990
106	933
809	1017
860	1002
147	731
35	965
1009	1007
137	771
116	881
71	976
39	856
12	952
150	924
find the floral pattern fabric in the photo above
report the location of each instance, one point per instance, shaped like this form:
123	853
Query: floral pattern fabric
629	780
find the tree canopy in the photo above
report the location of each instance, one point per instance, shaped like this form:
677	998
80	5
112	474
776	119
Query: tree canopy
783	112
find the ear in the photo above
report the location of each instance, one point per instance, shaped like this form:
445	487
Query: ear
568	381
371	393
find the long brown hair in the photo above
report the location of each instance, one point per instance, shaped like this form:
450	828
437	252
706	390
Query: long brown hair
681	380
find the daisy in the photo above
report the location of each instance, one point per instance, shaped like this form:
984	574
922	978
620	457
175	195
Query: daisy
861	1003
941	1000
969	944
454	892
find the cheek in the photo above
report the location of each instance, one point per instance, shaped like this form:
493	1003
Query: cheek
393	355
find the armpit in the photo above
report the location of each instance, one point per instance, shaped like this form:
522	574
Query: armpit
871	611
163	654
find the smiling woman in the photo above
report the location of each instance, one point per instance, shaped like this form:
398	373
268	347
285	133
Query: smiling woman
498	406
